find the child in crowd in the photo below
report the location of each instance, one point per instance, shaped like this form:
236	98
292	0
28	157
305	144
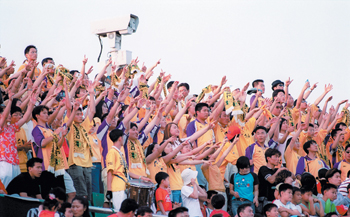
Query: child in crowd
218	202
308	203
163	201
50	207
329	192
210	207
271	210
284	204
297	198
190	192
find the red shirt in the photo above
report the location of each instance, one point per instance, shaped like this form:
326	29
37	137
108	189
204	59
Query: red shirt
162	195
8	145
224	213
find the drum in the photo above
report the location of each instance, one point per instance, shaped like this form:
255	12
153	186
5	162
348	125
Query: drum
142	192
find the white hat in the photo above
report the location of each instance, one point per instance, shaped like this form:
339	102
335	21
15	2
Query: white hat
187	175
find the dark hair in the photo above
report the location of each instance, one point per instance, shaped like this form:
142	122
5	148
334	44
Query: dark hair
151	98
50	203
327	187
185	85
59	192
281	122
133	125
85	203
28	49
15	109
31	162
242	162
99	109
115	134
275	93
256	82
218	201
347	146
242	207
64	206
210	193
334	132
268	207
143	210
169	84
338	125
308	181
330	214
176	211
282	176
37	110
296	189
161	176
271	152
45	60
149	149
128	205
284	187
259	128
304	190
331	172
307	145
200	105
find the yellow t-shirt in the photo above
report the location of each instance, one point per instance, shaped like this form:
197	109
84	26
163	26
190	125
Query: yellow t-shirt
257	154
182	126
80	159
138	168
156	166
292	159
245	138
175	179
21	138
95	147
37	71
220	133
115	164
304	138
213	176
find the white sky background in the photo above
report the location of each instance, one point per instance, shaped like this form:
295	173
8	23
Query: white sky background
198	41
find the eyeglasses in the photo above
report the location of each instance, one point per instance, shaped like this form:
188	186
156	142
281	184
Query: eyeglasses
279	107
280	85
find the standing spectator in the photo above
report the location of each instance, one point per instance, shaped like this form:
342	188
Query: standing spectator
244	186
190	192
267	177
31	54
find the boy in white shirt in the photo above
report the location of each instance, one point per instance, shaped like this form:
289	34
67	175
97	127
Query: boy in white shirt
190	193
285	206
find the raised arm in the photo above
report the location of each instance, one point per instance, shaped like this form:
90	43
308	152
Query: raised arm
92	106
150	158
326	90
199	133
300	98
226	152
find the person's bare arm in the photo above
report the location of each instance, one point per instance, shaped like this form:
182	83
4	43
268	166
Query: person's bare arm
301	95
103	71
199	133
307	93
226	152
326	90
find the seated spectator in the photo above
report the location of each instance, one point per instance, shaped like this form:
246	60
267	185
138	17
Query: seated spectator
245	210
80	207
271	210
59	195
343	188
218	202
297	198
179	212
31	188
210	207
66	209
144	211
50	206
284	204
127	209
329	192
308	203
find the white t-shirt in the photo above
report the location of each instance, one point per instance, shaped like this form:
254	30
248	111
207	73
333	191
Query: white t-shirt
289	205
282	147
190	203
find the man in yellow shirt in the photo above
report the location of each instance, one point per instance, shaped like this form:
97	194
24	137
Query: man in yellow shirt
117	170
31	55
202	114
